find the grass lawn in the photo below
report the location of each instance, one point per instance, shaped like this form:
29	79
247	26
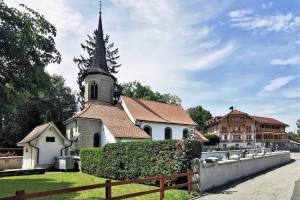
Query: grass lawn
56	180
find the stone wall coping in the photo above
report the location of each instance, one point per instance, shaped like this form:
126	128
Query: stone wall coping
228	162
11	157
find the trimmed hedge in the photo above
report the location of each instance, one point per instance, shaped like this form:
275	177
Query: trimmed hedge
131	160
90	159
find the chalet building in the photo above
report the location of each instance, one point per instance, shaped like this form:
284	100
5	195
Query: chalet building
102	122
245	131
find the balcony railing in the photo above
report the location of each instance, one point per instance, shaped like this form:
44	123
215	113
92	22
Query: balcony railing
237	140
257	140
272	140
224	141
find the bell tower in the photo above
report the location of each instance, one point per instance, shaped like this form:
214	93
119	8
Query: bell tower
99	83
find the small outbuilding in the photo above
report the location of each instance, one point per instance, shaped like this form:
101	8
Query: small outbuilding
42	145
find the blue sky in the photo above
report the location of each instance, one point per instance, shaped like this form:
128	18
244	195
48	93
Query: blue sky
213	53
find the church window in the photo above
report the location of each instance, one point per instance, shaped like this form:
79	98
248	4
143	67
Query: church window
148	130
168	133
94	91
185	133
96	140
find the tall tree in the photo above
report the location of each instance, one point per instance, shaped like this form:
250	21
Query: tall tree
26	47
84	62
199	115
60	100
137	90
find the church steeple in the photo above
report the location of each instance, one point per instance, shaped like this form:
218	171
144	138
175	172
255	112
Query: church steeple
99	82
99	63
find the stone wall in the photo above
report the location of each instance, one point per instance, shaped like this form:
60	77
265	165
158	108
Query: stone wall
13	162
105	87
86	129
216	174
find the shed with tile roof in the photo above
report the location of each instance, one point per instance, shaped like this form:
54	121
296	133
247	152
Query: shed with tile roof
42	145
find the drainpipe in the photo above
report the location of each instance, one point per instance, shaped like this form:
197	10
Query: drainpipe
61	151
38	153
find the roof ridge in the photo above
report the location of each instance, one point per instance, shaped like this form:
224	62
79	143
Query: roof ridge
159	102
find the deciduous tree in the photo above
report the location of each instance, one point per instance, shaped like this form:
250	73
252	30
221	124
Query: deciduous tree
199	115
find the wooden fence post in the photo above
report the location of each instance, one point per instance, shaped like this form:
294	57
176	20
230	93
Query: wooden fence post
189	177
162	186
19	195
108	189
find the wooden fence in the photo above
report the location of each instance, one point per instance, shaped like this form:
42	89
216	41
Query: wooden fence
108	185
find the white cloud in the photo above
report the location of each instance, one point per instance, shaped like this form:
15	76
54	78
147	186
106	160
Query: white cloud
159	41
278	83
266	23
294	60
240	13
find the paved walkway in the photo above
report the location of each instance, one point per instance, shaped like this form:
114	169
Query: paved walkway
282	183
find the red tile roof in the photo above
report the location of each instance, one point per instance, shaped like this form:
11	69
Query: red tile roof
267	120
114	118
236	112
200	136
35	133
153	111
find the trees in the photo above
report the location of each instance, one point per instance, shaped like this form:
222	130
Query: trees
136	90
26	47
298	127
213	139
199	115
84	63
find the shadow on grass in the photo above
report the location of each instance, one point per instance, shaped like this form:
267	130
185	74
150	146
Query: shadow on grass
30	185
228	188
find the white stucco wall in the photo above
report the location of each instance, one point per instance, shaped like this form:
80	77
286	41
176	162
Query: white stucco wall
28	157
106	136
212	175
48	150
158	130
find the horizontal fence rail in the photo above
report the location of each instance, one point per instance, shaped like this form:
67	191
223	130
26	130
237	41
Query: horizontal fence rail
108	185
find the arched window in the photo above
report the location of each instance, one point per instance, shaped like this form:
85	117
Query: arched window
96	140
168	133
94	91
148	130
185	133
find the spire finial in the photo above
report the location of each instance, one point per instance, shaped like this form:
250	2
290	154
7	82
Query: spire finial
100	5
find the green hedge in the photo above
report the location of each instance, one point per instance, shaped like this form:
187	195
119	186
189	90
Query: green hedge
90	159
131	160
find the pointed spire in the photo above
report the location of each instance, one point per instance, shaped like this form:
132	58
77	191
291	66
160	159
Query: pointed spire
99	63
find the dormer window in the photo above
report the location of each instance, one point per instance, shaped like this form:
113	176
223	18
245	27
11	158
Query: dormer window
94	91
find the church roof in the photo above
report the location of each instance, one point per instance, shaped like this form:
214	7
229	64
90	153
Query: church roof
114	118
153	111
